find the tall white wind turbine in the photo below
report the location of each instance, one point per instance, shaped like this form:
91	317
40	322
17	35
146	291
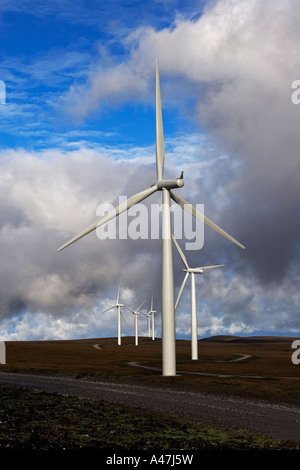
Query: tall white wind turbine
118	306
192	272
165	186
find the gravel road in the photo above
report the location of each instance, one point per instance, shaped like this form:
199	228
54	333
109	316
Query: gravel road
279	421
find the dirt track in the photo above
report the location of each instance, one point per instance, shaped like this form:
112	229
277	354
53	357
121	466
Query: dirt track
279	421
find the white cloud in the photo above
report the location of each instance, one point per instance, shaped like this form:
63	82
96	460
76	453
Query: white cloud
234	43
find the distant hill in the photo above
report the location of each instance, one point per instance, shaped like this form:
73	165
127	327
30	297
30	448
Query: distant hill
247	339
221	338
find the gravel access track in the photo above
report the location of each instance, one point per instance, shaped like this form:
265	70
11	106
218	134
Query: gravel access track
274	420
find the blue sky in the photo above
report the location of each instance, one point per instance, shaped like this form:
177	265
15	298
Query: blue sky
46	49
78	130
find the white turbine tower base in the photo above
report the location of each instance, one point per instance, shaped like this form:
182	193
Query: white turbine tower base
161	184
192	272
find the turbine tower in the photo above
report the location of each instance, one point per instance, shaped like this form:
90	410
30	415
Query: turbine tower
165	186
118	306
151	317
136	313
192	271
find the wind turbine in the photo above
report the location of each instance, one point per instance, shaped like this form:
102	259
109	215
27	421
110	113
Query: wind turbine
118	306
151	316
136	313
192	271
165	186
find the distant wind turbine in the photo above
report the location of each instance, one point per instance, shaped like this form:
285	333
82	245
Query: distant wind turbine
165	186
118	306
151	317
192	271
136	313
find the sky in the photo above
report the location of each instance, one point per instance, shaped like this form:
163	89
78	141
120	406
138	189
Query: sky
77	111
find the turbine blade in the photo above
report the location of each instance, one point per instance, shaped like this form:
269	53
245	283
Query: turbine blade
140	307
181	289
212	267
122	316
128	308
136	198
192	210
205	268
160	147
134	311
118	297
182	256
110	308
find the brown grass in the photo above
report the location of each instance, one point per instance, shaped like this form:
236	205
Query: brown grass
268	374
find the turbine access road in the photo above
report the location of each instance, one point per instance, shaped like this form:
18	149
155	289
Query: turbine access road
279	421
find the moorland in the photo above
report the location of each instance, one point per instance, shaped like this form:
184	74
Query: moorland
252	367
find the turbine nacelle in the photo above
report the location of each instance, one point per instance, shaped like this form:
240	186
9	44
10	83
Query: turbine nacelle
202	269
194	270
170	184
